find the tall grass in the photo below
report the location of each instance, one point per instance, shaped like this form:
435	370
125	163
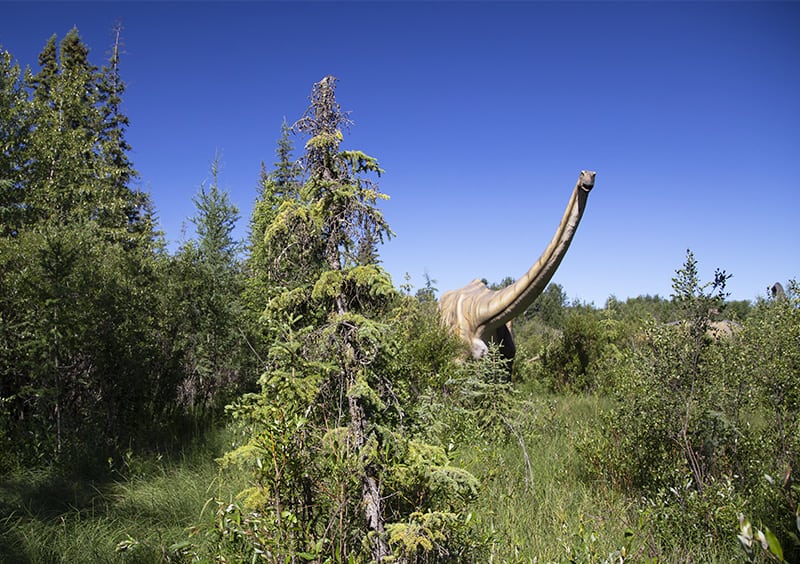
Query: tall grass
534	504
143	516
537	504
544	508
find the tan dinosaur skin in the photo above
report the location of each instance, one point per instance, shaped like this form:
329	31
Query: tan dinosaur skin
480	315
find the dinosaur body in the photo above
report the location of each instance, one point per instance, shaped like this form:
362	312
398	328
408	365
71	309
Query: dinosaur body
481	316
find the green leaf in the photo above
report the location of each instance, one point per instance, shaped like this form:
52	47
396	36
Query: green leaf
774	544
175	547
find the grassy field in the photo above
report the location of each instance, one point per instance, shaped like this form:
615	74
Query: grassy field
148	509
536	503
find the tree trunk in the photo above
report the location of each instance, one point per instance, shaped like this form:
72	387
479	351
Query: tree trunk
370	489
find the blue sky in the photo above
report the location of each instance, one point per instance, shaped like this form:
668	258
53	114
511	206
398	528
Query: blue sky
482	116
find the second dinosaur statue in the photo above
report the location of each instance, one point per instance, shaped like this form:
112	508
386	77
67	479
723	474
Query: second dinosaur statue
481	316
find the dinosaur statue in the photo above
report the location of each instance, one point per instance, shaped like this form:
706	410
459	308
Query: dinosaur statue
777	291
481	316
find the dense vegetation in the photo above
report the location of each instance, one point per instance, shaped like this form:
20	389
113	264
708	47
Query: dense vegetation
281	400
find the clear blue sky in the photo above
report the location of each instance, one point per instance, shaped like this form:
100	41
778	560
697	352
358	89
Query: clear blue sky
482	115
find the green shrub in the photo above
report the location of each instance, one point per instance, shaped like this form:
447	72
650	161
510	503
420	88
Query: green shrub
674	435
700	419
770	361
471	404
578	359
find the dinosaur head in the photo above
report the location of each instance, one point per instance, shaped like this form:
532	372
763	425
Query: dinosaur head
586	180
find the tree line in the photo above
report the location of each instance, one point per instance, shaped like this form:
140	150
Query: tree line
107	339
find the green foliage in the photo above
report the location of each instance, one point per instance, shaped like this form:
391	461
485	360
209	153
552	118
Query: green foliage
74	163
772	355
549	307
571	362
470	404
770	362
675	399
760	543
92	341
326	440
283	466
367	286
14	132
424	538
267	258
72	303
642	309
569	348
215	220
701	418
426	350
204	294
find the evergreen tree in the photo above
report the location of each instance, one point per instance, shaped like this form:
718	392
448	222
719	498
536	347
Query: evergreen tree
286	172
83	369
14	131
113	121
337	476
349	216
61	156
282	254
368	249
265	254
132	208
42	82
214	222
276	187
76	162
207	286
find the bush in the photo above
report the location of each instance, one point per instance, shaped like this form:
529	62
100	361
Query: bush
577	361
470	405
701	419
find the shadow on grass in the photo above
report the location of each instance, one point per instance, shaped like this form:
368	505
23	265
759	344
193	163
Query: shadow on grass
32	499
43	510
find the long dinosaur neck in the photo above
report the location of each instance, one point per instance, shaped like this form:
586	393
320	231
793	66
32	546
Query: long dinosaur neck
500	307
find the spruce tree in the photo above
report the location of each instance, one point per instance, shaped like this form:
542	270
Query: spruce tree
215	221
61	157
349	216
286	172
207	287
81	361
77	164
131	207
282	253
279	186
42	82
335	470
14	132
113	122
